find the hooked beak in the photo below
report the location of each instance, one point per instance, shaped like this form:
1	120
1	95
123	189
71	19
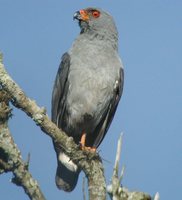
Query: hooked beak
77	15
81	15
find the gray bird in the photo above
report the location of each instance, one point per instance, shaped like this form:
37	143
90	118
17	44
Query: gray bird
87	89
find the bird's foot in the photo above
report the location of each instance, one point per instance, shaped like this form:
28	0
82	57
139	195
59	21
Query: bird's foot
85	148
91	149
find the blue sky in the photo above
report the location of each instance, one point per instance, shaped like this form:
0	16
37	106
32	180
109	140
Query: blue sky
34	35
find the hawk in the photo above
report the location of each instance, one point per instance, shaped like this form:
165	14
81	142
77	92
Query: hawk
87	89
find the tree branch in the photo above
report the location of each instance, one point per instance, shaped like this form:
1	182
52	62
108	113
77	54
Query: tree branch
89	162
115	189
10	157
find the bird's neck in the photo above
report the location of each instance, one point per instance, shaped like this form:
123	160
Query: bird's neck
101	37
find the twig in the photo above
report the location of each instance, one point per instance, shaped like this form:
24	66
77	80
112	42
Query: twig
156	197
118	155
83	189
115	190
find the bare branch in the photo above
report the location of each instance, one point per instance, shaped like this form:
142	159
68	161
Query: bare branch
157	197
89	162
83	189
10	157
115	189
118	155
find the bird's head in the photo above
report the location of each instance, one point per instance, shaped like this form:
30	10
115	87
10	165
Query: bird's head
95	20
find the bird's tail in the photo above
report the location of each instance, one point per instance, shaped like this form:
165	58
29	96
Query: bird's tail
67	173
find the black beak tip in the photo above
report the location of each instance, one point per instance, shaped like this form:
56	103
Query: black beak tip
77	15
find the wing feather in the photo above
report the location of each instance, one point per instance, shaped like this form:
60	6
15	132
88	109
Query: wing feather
60	89
110	110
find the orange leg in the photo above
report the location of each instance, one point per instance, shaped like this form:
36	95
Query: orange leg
83	147
82	141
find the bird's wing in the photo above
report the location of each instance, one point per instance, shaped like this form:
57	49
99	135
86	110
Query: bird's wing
59	93
60	89
67	172
109	111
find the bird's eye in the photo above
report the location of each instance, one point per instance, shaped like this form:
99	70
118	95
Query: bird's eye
95	14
